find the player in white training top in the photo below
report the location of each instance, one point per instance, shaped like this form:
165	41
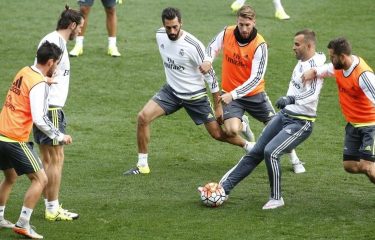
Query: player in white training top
52	151
182	55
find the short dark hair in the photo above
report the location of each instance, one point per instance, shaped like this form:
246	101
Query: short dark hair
171	13
340	46
308	34
67	17
48	51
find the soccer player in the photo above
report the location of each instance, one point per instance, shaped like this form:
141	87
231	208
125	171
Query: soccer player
291	126
182	55
25	104
279	9
111	23
356	84
52	152
244	64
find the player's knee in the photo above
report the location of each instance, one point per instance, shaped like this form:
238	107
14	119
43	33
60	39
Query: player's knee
10	180
270	153
217	135
231	132
142	118
351	167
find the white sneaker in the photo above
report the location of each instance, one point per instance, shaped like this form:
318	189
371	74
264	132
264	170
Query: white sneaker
236	6
6	224
27	231
298	167
248	133
273	203
281	14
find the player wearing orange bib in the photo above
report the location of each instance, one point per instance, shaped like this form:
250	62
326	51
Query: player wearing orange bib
244	64
26	104
356	84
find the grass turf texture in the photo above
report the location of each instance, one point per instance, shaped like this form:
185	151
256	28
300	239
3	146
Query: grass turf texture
106	94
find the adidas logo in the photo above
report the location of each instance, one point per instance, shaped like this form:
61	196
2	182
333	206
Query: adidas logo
289	131
368	148
16	86
210	116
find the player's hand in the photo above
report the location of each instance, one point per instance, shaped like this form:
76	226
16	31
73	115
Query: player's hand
226	98
205	67
308	75
67	139
119	1
283	101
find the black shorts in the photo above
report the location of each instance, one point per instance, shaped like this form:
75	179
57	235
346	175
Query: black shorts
106	3
258	106
57	117
359	143
20	156
199	110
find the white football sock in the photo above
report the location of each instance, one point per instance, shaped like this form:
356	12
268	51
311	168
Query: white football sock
53	206
26	213
142	159
277	4
2	211
111	41
241	1
293	157
79	40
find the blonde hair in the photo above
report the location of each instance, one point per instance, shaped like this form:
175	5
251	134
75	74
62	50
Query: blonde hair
246	12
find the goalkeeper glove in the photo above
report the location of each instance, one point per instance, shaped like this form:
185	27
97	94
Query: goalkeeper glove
283	101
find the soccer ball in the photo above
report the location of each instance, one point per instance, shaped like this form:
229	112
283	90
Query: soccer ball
212	194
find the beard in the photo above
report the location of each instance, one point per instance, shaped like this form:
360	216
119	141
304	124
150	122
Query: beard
338	65
174	37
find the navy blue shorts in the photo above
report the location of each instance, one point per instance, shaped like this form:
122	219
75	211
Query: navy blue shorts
57	117
20	156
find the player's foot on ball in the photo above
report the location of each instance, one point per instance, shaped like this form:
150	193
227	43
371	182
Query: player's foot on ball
138	170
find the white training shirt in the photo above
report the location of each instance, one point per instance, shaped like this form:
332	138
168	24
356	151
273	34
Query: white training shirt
59	92
39	107
306	94
366	79
181	61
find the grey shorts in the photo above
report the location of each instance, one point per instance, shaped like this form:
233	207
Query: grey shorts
258	106
199	110
359	143
57	117
20	156
106	3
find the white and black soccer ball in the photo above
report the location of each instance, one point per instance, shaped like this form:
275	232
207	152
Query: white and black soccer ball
212	194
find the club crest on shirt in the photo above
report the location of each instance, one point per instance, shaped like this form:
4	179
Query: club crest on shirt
182	53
